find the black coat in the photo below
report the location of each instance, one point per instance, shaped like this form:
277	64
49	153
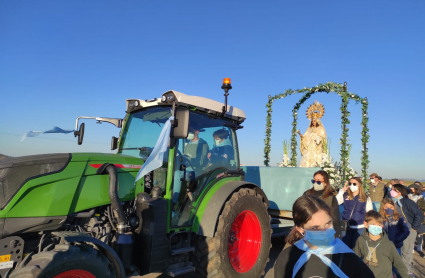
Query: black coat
217	155
349	263
412	214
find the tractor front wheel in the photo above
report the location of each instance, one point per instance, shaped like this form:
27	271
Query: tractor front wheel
241	245
66	261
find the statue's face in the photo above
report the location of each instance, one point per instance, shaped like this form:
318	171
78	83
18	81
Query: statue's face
314	121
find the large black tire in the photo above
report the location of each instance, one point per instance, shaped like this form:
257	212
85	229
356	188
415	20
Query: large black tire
211	257
82	260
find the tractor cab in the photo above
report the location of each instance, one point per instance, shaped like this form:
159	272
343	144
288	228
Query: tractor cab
202	146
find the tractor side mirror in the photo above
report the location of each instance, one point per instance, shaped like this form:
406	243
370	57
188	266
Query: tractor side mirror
80	134
181	129
114	143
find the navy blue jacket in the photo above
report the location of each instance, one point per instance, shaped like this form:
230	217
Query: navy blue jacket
413	214
397	231
358	212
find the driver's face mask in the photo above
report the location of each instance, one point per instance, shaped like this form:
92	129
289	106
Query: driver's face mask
190	136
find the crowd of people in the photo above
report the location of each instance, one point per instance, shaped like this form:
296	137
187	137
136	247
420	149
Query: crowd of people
353	234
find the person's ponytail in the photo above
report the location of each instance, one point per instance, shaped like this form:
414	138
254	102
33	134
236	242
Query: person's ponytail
293	236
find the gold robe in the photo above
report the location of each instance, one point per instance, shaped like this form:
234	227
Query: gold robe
312	146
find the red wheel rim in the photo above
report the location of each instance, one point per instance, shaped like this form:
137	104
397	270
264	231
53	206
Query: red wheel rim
75	273
244	242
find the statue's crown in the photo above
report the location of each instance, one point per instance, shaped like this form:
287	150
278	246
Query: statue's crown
315	111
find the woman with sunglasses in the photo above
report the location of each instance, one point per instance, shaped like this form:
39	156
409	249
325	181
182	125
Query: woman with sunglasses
322	189
356	204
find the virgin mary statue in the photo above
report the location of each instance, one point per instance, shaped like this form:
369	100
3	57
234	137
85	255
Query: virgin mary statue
314	138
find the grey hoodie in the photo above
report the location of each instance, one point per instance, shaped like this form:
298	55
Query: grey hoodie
382	258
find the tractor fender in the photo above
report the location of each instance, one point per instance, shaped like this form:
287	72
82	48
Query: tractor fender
209	221
103	247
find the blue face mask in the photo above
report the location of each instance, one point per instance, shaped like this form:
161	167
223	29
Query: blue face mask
389	211
375	230
320	238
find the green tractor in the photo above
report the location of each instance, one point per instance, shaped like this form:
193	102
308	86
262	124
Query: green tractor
173	199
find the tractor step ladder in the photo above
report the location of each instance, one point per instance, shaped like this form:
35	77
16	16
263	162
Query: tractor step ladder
182	250
182	267
173	271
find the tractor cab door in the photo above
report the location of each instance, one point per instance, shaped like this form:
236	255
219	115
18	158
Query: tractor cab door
208	151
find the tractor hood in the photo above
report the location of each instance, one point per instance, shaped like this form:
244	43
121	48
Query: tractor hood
16	171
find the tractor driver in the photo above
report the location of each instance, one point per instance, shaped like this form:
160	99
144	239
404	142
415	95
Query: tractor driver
222	151
194	158
195	149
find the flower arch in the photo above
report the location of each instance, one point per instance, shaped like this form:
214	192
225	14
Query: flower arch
329	87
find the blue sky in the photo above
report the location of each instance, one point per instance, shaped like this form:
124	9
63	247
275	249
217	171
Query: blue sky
63	59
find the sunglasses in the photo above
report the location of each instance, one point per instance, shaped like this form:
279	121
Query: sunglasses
352	183
318	182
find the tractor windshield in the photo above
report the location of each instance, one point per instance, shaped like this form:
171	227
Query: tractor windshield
142	131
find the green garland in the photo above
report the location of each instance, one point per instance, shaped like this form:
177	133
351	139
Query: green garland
329	87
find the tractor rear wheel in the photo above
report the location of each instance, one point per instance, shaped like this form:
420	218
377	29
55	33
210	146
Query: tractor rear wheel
241	245
66	261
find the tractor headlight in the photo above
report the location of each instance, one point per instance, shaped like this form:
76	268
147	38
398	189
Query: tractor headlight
168	97
133	104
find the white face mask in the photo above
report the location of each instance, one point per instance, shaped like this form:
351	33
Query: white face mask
372	180
190	136
318	187
354	188
217	142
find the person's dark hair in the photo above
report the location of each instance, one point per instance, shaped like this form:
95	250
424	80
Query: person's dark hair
221	133
328	190
402	189
302	211
380	178
373	215
418	189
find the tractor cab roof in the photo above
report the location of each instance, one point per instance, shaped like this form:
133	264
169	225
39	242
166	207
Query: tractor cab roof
206	105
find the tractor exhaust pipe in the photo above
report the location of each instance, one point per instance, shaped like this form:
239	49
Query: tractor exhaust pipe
115	199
